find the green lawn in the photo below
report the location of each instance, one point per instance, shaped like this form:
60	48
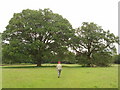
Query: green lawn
73	76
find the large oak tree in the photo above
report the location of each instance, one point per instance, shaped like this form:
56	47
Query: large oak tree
37	33
93	45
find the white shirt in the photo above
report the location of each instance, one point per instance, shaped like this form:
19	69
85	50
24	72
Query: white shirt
59	66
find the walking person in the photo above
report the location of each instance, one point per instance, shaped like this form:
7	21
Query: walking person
59	68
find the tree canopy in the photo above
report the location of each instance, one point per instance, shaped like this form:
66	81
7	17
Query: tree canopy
37	33
39	36
94	45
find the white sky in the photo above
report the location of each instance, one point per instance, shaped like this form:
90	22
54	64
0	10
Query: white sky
102	12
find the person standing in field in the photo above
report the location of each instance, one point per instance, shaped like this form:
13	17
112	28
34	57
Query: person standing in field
59	68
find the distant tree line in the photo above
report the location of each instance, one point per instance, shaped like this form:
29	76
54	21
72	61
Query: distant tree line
41	36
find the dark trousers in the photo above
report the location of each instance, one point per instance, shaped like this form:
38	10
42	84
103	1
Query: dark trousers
59	72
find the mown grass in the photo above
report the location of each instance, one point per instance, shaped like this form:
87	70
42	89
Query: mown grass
73	76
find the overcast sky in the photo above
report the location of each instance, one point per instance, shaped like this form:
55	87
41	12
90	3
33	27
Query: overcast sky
102	12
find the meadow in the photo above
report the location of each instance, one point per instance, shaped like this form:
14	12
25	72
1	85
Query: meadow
72	76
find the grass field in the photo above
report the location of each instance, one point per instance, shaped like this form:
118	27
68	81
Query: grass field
73	76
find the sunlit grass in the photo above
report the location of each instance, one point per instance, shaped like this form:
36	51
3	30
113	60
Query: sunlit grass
73	76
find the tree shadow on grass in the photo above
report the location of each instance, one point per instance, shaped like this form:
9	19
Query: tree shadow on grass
10	67
53	66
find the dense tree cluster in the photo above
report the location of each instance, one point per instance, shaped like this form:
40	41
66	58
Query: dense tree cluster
41	36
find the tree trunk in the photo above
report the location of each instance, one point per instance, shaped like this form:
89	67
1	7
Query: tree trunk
39	63
90	62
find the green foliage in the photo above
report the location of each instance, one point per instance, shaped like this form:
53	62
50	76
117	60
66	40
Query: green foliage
39	36
13	53
82	59
117	59
94	45
102	59
69	57
37	33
